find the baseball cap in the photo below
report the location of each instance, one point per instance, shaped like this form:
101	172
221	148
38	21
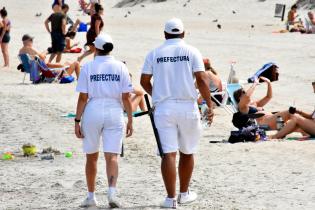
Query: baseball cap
102	39
27	37
174	26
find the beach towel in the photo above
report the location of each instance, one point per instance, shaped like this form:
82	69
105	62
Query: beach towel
269	70
76	50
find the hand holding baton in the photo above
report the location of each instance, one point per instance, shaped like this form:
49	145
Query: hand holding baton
151	115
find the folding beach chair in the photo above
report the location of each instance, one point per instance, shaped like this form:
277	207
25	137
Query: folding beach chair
227	92
51	74
29	67
280	11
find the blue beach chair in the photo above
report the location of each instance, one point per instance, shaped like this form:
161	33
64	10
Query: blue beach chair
30	67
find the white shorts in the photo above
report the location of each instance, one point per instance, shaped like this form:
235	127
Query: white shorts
103	118
178	124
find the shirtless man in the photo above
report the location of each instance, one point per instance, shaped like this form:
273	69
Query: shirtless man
32	52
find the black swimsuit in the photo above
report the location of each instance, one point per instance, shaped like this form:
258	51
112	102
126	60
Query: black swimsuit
6	37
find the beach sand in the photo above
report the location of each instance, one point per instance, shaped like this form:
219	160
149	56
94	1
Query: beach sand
266	175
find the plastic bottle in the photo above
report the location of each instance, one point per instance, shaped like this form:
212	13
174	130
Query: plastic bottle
204	115
280	123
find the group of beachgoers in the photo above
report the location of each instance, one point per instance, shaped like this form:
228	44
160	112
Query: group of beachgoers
105	83
62	30
297	24
295	120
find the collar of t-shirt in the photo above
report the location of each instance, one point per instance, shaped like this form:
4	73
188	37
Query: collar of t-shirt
174	41
103	58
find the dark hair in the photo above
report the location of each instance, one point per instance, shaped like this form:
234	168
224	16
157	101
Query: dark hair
237	94
3	12
71	34
98	7
294	6
173	36
107	48
65	6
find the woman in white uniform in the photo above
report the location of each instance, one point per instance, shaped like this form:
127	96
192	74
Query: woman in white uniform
104	85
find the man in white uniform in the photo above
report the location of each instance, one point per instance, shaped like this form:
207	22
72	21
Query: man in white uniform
103	84
174	67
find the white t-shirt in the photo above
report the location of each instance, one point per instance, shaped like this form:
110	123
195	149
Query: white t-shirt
104	77
173	65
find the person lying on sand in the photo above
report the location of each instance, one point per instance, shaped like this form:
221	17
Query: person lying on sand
32	52
215	83
247	106
299	121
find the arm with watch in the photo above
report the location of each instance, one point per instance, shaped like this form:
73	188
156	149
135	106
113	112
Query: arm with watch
82	101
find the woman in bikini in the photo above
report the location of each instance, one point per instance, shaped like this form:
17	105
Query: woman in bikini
5	27
247	106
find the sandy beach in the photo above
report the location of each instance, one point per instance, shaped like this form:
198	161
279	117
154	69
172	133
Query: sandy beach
264	175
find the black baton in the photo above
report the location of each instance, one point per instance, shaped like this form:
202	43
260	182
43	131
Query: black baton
151	115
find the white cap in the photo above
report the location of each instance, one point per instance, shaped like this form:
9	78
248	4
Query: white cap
174	26
102	39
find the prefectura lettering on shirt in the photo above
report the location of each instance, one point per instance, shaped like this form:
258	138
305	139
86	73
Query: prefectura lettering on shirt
172	59
105	77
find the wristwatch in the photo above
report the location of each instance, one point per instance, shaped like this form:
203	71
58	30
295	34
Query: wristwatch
76	120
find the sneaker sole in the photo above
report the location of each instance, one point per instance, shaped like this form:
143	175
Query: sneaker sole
187	203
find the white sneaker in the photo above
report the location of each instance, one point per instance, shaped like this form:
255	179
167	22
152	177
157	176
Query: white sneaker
170	203
190	197
113	201
88	203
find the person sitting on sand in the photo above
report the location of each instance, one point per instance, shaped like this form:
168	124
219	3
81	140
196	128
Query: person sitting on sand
299	121
311	22
247	106
137	98
215	83
32	52
69	45
73	25
295	25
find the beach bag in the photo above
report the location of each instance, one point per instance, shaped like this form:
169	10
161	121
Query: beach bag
240	120
269	70
66	79
247	134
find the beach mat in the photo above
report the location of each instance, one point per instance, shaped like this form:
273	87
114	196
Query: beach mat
305	138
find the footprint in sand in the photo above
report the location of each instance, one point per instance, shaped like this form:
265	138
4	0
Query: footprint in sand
79	184
56	185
